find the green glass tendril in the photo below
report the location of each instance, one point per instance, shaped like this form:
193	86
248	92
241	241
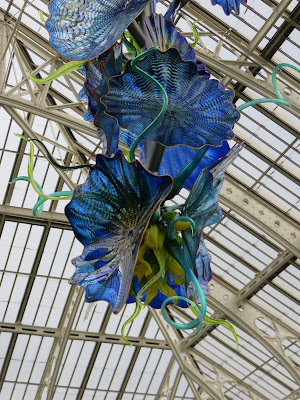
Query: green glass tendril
42	16
65	69
38	207
36	187
174	248
280	99
50	158
165	99
190	325
214	321
137	310
129	46
196	33
186	172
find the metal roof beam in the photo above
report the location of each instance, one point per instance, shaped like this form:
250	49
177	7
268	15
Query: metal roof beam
16	102
188	367
97	337
274	44
134	358
260	280
23	303
245	314
248	51
259	212
52	367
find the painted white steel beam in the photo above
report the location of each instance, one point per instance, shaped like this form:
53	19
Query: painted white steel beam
184	361
245	316
245	51
46	216
261	213
16	102
188	367
229	68
295	395
57	333
261	278
52	367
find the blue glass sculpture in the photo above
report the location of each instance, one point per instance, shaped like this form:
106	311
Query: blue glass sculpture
109	214
229	5
81	30
199	112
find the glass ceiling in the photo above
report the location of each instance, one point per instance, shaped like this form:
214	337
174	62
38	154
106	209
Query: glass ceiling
52	346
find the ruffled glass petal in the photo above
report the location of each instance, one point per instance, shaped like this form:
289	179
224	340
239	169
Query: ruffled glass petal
200	111
202	206
162	34
91	71
81	30
109	214
229	5
108	125
174	159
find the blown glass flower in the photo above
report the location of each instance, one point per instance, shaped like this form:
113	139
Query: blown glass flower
109	214
229	5
202	207
199	112
160	33
81	30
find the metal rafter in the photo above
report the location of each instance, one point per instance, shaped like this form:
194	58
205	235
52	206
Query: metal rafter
190	370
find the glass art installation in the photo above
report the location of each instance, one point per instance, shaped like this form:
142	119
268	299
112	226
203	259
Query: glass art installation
139	247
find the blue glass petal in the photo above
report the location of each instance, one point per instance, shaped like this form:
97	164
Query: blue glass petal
204	271
81	30
109	214
176	158
159	33
163	35
174	7
229	5
199	111
92	80
106	124
202	206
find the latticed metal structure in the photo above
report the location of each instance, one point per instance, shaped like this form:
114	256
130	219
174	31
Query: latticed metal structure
51	348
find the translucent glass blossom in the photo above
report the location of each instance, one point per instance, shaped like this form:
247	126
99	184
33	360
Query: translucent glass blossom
229	5
202	206
200	111
109	214
81	30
